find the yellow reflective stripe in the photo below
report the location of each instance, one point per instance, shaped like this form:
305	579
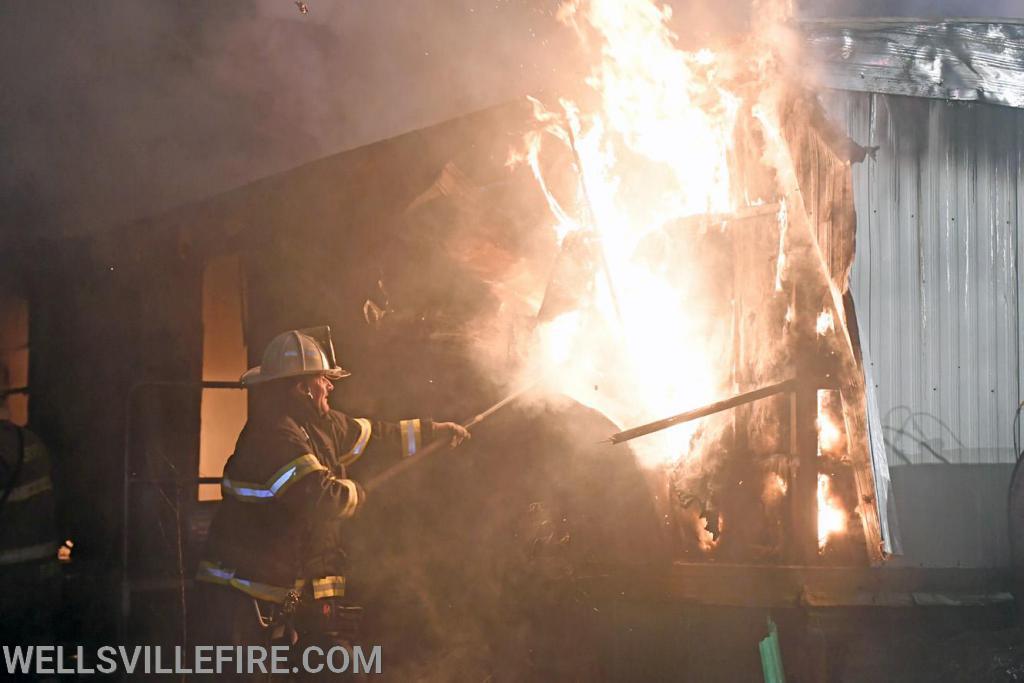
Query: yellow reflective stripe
212	572
410	431
276	485
365	429
329	587
33	488
353	497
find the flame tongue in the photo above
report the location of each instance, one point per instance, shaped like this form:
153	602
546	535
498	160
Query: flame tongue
831	517
662	106
655	150
638	332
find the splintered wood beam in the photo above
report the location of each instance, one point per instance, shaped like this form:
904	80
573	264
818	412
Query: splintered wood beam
802	236
803	493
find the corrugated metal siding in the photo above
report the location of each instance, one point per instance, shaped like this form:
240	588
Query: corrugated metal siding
935	277
937	288
949	59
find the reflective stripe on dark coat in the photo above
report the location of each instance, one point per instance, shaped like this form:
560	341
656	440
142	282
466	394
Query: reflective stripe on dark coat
287	492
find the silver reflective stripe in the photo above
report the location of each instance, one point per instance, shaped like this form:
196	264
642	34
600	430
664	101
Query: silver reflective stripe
218	573
244	492
33	488
264	492
29	553
410	431
211	572
278	482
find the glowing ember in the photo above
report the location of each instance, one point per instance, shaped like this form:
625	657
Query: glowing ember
825	323
775	488
829	433
706	540
831	517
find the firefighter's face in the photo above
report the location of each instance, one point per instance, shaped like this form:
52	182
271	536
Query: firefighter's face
318	389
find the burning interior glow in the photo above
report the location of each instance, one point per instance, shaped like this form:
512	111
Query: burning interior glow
831	516
775	488
830	435
825	323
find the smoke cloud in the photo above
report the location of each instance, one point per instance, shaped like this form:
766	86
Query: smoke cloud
116	110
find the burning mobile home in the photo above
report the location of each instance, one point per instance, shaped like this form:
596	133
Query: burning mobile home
664	259
673	187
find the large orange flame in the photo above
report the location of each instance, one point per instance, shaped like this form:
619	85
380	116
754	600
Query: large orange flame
655	150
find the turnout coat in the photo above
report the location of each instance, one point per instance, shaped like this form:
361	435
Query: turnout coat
286	492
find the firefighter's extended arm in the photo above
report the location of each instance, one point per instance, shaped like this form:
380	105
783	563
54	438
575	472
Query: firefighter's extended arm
367	446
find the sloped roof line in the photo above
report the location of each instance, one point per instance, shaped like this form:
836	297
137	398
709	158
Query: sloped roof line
973	60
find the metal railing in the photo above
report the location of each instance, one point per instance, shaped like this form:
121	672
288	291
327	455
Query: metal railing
130	480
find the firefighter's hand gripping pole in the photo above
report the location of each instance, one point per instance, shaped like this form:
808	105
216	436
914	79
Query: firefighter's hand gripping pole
437	444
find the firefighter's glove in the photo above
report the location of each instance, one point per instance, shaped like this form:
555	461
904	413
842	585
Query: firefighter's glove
456	432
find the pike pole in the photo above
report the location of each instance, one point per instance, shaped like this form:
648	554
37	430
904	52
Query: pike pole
704	411
437	444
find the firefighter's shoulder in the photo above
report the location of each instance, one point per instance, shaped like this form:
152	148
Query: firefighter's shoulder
271	448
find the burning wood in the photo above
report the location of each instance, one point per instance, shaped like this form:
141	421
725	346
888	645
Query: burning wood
831	516
683	264
684	170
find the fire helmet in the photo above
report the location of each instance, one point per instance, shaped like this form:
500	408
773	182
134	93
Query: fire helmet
297	353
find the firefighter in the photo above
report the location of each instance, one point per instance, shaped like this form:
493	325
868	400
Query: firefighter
275	567
30	577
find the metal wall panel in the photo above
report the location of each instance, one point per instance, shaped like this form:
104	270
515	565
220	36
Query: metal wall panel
937	289
935	278
949	59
